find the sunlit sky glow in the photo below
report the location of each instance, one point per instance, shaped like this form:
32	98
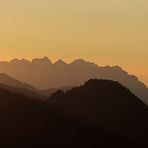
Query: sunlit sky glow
107	32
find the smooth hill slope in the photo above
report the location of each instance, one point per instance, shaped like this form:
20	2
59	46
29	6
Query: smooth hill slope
117	113
27	122
7	80
14	85
42	74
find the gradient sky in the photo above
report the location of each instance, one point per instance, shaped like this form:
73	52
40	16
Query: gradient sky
107	32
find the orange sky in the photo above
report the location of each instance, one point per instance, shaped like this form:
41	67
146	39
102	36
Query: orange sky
108	32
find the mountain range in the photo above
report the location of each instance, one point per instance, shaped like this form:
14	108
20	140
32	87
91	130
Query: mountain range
29	122
44	75
99	113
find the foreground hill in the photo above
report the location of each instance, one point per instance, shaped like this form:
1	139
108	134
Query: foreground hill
99	113
27	122
42	74
118	114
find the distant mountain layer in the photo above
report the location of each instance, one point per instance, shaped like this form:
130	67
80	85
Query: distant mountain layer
43	74
13	85
109	106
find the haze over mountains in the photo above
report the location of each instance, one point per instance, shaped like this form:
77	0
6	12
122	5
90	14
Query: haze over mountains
13	85
43	74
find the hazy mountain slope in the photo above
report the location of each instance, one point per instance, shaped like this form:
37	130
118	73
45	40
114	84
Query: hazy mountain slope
42	74
14	85
111	107
24	91
5	79
27	122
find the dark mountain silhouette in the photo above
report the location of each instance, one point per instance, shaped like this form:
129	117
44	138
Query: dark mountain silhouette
100	113
114	110
27	122
14	85
42	74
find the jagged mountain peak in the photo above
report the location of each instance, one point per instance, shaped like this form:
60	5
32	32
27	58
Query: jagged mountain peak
25	61
42	74
60	62
44	60
15	60
19	61
81	62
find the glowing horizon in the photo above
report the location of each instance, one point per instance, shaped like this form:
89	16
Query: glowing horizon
105	32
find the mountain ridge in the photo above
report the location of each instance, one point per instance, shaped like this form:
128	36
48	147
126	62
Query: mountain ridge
44	74
98	113
29	122
106	104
